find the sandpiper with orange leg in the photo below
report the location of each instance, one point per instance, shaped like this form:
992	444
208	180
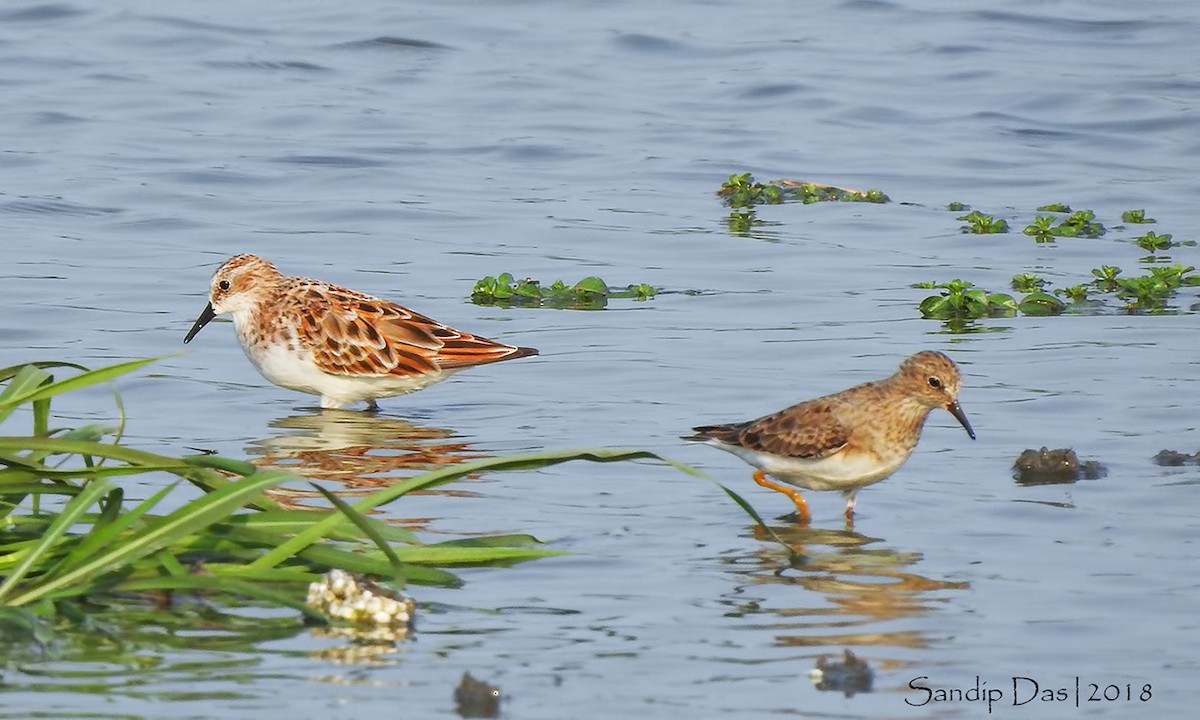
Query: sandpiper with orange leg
330	341
847	440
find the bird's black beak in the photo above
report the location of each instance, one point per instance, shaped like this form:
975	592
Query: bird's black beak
207	314
954	410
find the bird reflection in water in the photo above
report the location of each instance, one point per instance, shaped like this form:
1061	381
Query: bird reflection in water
362	452
862	593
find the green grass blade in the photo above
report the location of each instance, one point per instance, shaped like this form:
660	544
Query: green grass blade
440	555
361	522
105	530
77	382
290	522
528	461
67	446
70	514
9	372
224	464
26	381
190	518
744	505
490	541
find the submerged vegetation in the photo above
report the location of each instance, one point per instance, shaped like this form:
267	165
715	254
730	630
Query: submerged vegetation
590	293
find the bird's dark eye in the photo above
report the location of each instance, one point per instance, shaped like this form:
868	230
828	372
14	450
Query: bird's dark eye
224	285
935	383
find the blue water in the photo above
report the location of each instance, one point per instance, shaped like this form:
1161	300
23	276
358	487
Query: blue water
408	149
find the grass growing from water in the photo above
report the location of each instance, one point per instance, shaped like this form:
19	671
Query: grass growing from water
73	542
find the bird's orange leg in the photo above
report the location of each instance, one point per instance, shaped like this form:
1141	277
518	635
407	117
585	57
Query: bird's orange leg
802	513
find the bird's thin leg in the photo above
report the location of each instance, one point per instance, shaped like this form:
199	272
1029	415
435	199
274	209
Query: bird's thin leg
802	513
851	499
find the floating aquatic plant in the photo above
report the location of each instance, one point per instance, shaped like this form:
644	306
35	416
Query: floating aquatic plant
1153	242
982	224
1081	223
961	300
1136	217
1074	293
1040	303
1106	277
590	293
1153	290
1027	282
742	190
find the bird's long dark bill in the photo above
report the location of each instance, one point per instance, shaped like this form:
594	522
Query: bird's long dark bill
206	315
961	416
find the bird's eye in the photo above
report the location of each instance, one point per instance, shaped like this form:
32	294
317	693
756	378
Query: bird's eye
224	285
935	383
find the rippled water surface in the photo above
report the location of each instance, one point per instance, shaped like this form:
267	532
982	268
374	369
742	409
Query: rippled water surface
408	149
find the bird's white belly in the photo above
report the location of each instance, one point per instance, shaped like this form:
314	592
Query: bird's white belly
296	371
840	471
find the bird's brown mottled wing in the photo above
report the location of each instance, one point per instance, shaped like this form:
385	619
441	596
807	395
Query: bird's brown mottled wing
807	430
350	333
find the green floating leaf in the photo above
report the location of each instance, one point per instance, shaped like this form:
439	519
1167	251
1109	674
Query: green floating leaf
1040	303
591	284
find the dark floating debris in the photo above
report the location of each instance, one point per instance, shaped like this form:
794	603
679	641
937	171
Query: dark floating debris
848	675
1050	467
476	699
1174	458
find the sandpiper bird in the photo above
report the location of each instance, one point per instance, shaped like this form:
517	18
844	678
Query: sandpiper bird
847	440
330	341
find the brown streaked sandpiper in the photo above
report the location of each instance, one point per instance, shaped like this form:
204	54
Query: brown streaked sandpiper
847	440
330	341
